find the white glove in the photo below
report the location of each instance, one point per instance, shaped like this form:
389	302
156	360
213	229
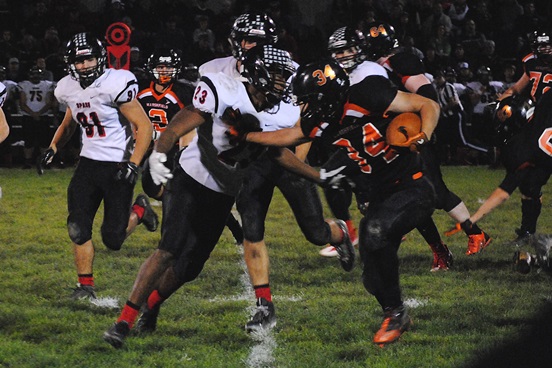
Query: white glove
159	172
155	135
332	178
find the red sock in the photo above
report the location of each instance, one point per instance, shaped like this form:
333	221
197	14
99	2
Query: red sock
155	299
351	227
138	210
263	291
86	280
129	313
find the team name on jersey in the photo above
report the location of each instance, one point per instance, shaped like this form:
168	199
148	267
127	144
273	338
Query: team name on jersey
83	105
159	105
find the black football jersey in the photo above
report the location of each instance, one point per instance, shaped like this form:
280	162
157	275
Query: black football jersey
540	73
161	107
361	134
401	66
532	146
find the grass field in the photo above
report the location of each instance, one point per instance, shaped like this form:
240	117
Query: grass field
479	314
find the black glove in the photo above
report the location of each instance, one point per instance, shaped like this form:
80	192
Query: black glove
44	160
240	124
128	172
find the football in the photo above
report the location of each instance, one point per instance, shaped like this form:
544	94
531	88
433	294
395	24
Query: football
402	128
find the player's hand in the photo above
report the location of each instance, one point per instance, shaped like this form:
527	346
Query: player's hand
414	143
239	124
160	173
44	160
128	172
333	178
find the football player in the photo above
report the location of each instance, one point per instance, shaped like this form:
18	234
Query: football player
4	127
36	103
108	165
265	174
407	72
538	76
348	46
395	195
208	176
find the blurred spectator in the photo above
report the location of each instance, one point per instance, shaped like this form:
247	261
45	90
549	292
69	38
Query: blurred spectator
436	18
508	76
203	30
72	24
471	39
529	20
39	20
409	47
201	51
46	74
171	36
287	42
36	102
406	27
465	74
440	41
50	43
8	48
457	56
13	71
136	59
457	12
432	61
28	50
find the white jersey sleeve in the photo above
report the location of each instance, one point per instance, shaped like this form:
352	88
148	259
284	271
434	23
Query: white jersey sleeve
226	65
365	69
3	94
104	136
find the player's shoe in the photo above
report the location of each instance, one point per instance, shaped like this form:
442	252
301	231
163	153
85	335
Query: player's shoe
150	218
117	333
147	322
477	242
442	257
523	262
83	292
264	317
395	322
330	250
345	249
523	236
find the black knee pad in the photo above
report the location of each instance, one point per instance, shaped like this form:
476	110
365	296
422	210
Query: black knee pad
77	234
112	240
150	188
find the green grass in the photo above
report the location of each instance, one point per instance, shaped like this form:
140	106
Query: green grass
479	314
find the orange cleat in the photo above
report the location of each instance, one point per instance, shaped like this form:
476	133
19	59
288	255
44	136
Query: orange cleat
395	322
477	242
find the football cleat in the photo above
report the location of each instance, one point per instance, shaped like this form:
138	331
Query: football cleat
345	249
523	236
477	242
442	257
147	322
150	218
330	250
264	317
117	333
523	262
395	322
83	292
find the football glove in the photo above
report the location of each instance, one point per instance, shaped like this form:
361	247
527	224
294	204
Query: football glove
44	160
160	173
127	172
240	124
333	178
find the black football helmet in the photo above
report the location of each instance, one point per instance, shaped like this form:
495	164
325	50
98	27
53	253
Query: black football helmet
35	74
323	86
269	70
168	58
81	47
541	44
380	40
510	116
348	38
259	28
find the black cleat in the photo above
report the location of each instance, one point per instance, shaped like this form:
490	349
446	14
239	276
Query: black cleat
345	250
264	317
150	218
523	236
83	292
116	334
147	322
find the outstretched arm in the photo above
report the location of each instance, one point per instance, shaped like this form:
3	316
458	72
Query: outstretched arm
497	197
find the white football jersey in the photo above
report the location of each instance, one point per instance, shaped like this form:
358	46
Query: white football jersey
105	137
365	69
3	94
226	65
36	94
212	159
